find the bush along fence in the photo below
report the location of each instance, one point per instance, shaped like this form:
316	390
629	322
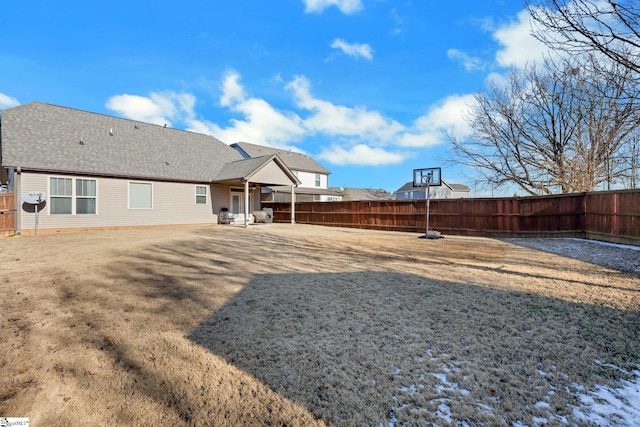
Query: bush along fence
612	216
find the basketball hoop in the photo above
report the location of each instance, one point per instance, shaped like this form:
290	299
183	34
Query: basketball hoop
427	177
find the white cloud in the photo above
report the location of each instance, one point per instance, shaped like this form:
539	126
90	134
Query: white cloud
365	155
354	49
446	116
469	62
345	6
232	91
7	101
158	108
518	46
338	120
398	22
261	124
357	136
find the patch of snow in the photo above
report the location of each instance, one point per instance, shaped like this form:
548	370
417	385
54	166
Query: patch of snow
444	412
540	421
606	406
442	378
446	385
392	419
614	245
411	389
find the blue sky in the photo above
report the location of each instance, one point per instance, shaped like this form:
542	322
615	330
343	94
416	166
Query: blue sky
366	87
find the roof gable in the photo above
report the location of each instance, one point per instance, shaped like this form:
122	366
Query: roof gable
268	170
294	161
46	137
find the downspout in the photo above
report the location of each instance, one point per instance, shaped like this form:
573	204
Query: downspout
10	178
293	205
246	203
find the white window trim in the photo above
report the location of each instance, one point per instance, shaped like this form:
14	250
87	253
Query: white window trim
51	195
205	195
73	195
129	195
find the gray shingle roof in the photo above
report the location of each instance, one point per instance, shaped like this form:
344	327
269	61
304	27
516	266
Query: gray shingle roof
306	190
246	168
294	161
455	187
45	137
366	194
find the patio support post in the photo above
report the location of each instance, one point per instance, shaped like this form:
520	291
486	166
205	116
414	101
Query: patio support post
246	203
293	205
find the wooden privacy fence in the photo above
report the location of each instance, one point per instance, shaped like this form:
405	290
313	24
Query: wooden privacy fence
7	213
612	216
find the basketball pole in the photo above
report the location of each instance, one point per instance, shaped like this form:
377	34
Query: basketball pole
429	176
426	234
425	178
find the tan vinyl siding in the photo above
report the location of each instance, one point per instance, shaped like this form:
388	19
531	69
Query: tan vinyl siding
173	203
220	197
272	174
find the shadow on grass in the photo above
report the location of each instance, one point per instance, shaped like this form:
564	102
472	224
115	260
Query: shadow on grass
365	348
350	347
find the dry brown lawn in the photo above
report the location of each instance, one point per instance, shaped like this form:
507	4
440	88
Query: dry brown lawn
302	325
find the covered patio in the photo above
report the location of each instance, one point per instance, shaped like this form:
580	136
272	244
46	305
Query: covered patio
244	177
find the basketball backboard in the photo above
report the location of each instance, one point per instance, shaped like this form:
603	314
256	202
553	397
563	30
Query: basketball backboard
427	177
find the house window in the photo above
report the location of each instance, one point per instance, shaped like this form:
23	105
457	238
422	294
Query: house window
60	190
317	180
201	195
140	195
85	196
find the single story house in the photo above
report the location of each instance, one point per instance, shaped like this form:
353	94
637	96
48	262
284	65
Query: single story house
102	171
314	178
445	191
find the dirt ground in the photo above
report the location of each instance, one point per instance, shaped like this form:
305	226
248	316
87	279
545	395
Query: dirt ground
301	325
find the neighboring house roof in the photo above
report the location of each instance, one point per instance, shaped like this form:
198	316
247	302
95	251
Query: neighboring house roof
45	137
294	161
459	187
306	190
365	194
454	187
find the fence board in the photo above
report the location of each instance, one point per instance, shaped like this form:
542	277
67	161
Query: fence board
7	213
611	216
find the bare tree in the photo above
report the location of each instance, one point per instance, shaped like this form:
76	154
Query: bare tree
611	27
628	162
551	129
